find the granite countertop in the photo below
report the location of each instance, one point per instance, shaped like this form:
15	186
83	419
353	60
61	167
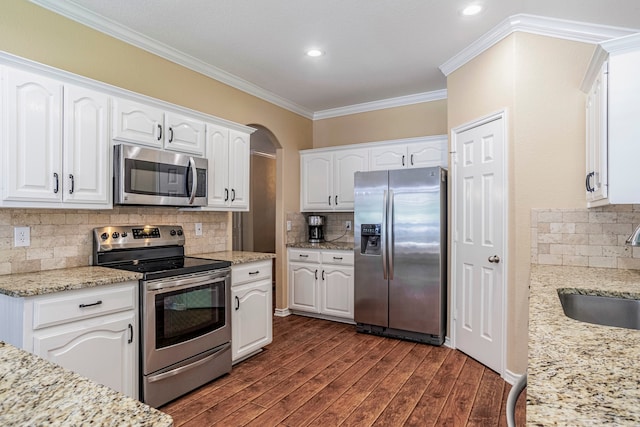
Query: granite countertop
341	246
34	391
64	279
237	257
580	373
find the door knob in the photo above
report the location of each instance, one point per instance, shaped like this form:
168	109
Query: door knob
494	259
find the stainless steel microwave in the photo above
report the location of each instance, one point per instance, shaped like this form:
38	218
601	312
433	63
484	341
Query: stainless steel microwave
146	176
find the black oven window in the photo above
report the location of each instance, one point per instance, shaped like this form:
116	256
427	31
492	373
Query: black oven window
189	313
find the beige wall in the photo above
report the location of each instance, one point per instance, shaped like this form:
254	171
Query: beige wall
37	34
536	79
427	118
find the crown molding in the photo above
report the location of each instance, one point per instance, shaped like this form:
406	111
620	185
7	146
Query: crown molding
551	27
400	101
120	32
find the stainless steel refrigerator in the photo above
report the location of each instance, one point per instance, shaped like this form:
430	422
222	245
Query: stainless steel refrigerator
400	253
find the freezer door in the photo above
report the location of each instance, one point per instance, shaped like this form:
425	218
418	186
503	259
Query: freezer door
415	287
371	288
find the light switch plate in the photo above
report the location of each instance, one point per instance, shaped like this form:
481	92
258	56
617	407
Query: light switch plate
198	229
288	225
21	236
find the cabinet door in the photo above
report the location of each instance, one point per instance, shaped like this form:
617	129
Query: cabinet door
33	149
184	134
137	123
239	163
388	157
303	281
218	174
251	318
86	148
596	118
345	164
427	154
316	182
102	349
336	291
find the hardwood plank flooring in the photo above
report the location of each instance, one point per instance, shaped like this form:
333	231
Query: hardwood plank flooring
321	373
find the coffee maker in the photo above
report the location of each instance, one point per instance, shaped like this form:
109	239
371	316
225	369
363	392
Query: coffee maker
316	232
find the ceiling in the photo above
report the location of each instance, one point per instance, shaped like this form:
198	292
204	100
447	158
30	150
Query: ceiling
374	49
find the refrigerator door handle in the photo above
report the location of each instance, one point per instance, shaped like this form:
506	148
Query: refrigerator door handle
383	234
390	239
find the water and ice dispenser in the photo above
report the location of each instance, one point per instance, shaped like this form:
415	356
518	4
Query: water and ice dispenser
370	235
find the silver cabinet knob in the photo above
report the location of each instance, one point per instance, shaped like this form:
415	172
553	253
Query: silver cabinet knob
494	259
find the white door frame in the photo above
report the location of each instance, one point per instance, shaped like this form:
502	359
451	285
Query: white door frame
501	114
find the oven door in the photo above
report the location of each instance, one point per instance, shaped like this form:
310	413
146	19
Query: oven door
144	176
184	316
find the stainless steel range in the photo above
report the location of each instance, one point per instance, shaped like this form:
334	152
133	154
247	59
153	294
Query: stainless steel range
185	315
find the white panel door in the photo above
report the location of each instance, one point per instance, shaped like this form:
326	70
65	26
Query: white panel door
101	349
251	318
239	164
345	164
33	148
479	243
184	134
596	181
388	157
336	294
303	281
316	182
428	154
86	150
137	123
218	173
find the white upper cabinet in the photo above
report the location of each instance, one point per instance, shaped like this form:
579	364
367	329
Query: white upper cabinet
138	123
612	129
228	153
55	153
327	179
401	154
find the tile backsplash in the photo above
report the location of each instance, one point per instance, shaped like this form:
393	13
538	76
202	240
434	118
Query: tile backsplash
63	238
585	237
334	229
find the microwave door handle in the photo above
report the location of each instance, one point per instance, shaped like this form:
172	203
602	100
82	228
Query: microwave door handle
194	181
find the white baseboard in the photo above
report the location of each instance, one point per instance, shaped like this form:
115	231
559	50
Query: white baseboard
511	377
447	342
282	312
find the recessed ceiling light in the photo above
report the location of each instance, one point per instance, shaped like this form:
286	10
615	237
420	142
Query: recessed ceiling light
472	9
314	53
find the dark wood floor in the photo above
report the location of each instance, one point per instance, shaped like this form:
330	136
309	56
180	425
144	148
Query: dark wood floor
322	373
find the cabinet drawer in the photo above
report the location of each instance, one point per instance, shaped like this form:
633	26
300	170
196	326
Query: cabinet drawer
298	255
337	257
83	304
250	272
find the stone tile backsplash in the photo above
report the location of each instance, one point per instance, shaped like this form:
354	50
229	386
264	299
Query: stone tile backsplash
585	237
334	229
63	238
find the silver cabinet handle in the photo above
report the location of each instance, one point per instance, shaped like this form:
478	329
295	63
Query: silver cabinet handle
316	274
130	340
90	305
412	160
322	274
57	187
233	195
253	273
170	134
494	259
303	256
159	132
73	183
337	258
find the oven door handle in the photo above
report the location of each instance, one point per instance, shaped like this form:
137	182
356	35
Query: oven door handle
183	283
182	369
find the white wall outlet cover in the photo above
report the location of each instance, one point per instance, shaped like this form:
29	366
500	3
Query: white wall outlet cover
348	225
21	236
288	225
198	229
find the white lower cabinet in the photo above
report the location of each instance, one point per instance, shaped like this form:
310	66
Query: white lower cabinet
251	299
321	283
93	332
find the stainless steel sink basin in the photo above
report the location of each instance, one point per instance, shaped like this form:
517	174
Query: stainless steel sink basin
608	311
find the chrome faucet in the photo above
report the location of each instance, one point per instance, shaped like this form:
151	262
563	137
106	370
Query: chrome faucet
634	239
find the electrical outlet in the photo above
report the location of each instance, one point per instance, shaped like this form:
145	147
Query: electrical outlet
288	225
198	229
21	236
347	225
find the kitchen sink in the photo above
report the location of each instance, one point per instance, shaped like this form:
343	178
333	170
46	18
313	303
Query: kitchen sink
601	310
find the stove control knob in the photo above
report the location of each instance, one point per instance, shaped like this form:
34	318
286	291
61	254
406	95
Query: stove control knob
104	236
115	235
172	232
124	234
179	232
